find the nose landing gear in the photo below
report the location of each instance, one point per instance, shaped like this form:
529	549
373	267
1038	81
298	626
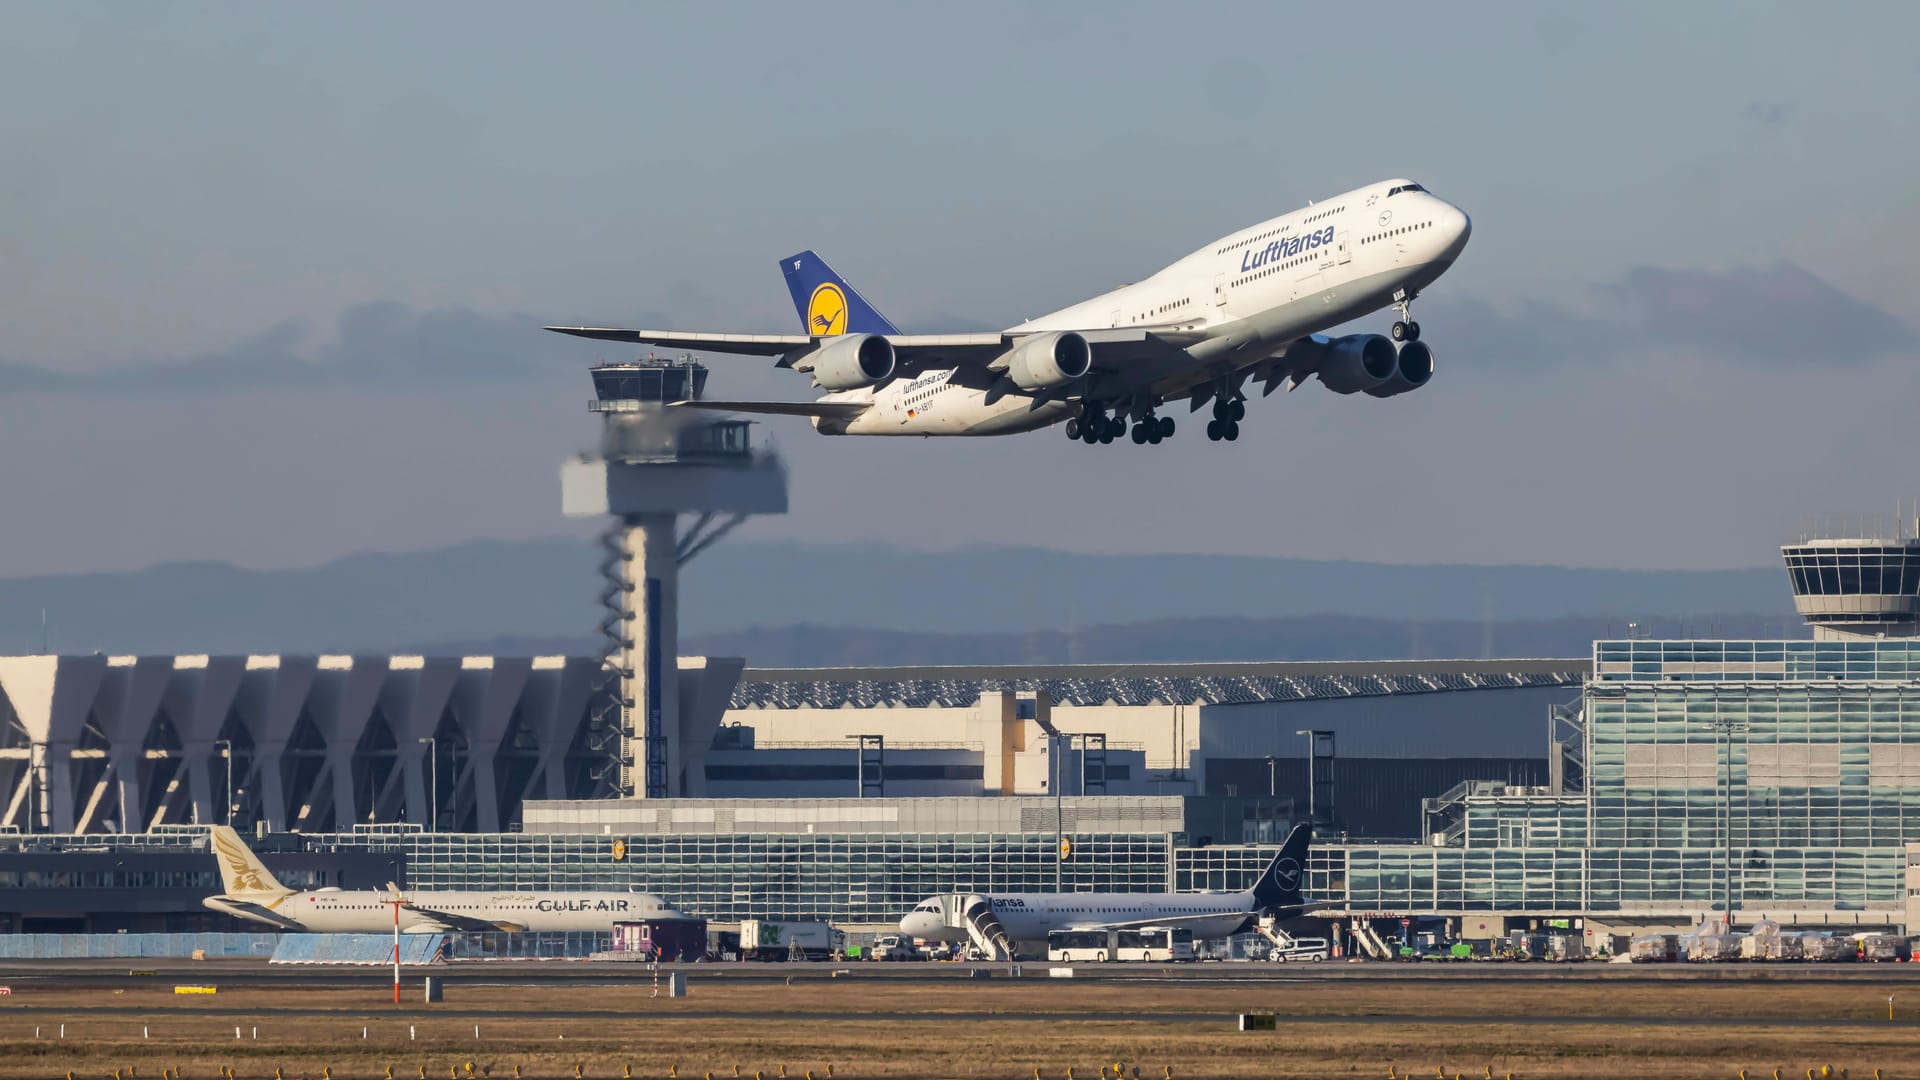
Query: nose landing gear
1404	328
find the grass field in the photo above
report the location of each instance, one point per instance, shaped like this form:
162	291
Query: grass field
991	1028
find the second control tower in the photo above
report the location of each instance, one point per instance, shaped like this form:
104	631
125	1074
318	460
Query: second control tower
1858	586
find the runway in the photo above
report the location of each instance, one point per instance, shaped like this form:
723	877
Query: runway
254	972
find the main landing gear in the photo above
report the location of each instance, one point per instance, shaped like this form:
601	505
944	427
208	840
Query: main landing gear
1227	414
1095	425
1404	328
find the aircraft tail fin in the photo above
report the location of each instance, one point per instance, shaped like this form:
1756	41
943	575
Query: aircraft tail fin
241	871
826	303
1279	884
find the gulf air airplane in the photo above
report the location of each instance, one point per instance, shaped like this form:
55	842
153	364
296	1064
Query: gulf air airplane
1005	919
251	892
1248	307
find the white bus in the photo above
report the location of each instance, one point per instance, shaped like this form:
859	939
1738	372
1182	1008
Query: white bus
1099	946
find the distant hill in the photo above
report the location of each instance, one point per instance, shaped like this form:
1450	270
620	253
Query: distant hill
1193	640
1133	605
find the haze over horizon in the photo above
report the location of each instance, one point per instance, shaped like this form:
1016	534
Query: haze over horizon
271	279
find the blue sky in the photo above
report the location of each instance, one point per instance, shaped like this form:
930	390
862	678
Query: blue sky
270	276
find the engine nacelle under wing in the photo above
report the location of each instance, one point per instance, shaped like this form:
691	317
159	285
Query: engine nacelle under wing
1044	361
1357	362
1412	369
851	361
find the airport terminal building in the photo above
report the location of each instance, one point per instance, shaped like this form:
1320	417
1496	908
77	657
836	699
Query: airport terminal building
1649	784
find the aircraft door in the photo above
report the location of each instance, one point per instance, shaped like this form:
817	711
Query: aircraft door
1219	290
1344	253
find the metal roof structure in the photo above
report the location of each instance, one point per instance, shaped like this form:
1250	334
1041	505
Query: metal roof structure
1142	684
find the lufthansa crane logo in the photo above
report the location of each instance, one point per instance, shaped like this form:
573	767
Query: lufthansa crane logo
827	311
1286	875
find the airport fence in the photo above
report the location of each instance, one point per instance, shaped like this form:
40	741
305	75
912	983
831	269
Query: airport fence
370	949
133	946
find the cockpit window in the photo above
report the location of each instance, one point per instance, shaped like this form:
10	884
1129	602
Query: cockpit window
1404	187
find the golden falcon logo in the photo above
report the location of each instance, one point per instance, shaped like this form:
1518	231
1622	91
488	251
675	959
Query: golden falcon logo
245	878
827	311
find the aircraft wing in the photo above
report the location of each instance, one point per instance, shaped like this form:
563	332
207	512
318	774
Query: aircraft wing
450	921
249	909
827	409
1110	347
1286	912
1164	920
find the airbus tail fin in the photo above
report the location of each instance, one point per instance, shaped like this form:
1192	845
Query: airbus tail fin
1279	884
241	871
826	303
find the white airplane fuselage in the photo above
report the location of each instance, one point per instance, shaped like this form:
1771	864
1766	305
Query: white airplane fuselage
1032	916
1249	295
371	912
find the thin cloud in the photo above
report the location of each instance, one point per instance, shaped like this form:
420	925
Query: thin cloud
378	344
1778	318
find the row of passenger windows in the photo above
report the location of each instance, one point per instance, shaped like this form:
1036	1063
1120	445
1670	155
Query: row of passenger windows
1257	274
1327	213
1394	232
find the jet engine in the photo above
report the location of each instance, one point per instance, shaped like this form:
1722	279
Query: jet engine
1357	362
1048	360
1411	371
851	361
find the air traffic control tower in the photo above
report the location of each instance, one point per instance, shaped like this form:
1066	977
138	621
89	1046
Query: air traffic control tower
1858	586
655	714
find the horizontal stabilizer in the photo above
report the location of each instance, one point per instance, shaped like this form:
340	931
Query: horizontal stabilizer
825	409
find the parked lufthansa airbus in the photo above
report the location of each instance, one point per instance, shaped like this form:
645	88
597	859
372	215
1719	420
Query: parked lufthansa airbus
1003	919
251	892
1246	308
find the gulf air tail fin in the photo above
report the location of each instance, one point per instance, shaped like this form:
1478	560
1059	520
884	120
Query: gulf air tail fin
1279	886
826	303
241	871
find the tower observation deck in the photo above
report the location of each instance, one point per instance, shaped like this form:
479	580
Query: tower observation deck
1858	587
655	464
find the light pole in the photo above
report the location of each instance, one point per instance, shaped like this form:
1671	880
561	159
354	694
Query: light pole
1725	727
1271	793
1059	815
433	772
226	753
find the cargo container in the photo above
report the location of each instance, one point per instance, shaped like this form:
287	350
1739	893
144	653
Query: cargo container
765	939
665	940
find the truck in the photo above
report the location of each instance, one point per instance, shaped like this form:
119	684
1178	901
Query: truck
768	940
893	947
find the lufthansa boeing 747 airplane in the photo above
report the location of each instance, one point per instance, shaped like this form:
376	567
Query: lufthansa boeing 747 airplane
1248	307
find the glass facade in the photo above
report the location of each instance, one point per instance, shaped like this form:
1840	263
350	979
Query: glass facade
1783	773
841	878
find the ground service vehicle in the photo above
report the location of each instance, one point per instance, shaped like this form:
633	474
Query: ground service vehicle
1100	946
894	947
765	939
1305	948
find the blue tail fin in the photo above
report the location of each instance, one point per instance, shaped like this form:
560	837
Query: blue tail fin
826	303
1280	885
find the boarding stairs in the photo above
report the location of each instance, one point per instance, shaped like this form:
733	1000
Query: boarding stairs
1371	942
975	913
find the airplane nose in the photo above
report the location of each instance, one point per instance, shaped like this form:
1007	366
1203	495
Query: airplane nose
1460	228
